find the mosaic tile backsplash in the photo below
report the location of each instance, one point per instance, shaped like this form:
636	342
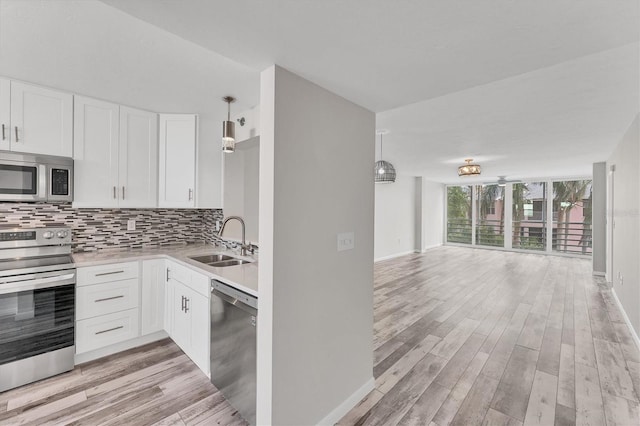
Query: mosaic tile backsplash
98	229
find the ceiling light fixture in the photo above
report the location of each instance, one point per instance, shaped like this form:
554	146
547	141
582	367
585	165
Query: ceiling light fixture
384	171
228	128
469	169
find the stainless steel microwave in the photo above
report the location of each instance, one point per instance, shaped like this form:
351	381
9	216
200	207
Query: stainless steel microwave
27	177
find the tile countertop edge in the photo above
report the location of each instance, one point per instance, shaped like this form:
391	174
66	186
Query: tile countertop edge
242	277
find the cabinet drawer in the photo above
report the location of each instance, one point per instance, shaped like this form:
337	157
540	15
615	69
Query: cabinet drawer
105	273
190	278
105	330
106	298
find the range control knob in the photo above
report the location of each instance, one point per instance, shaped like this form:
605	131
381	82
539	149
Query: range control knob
47	235
62	234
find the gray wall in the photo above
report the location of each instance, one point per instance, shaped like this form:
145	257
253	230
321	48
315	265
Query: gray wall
599	215
625	216
316	303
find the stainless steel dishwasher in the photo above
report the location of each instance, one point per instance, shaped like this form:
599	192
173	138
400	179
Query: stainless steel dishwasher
233	347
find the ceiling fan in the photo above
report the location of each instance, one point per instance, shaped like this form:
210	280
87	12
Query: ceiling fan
502	181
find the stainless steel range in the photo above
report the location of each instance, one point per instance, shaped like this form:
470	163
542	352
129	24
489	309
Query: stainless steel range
37	305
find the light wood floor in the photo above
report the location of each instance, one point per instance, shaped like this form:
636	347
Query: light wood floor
479	337
462	336
153	384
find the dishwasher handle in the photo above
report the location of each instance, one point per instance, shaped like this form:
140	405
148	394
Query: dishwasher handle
235	302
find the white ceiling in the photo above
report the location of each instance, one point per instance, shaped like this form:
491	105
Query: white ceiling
509	83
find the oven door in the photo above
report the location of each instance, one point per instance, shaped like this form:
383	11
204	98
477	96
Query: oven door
23	181
37	314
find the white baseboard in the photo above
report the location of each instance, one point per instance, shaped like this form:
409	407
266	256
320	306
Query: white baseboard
339	412
424	249
626	319
393	256
119	347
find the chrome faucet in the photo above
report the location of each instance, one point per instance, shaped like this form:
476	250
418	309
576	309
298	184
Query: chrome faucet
243	246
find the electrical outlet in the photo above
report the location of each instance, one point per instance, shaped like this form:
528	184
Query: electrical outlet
131	225
346	241
217	226
620	278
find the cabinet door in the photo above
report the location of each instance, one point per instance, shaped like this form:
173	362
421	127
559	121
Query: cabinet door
181	333
96	153
198	307
153	296
138	158
41	120
5	114
177	160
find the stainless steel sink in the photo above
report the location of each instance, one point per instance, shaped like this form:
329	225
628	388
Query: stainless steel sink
233	262
210	258
219	260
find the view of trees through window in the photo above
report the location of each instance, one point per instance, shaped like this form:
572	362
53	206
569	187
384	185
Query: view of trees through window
572	216
477	215
490	215
459	214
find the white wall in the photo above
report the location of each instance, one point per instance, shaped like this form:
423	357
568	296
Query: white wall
432	214
395	217
89	48
625	215
315	331
241	183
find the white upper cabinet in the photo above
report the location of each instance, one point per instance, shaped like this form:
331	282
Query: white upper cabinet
96	127
177	168
5	114
138	158
116	154
41	120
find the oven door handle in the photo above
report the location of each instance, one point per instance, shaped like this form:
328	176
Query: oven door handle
37	283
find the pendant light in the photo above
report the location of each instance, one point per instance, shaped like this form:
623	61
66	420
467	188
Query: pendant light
469	169
228	128
383	170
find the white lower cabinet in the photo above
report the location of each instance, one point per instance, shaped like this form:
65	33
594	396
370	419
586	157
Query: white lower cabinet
106	305
124	304
187	316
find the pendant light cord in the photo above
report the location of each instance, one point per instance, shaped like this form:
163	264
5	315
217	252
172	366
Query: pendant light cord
380	146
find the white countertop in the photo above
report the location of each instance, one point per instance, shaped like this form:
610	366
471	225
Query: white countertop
243	277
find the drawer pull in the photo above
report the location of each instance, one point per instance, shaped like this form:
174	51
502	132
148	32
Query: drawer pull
108	298
110	329
109	273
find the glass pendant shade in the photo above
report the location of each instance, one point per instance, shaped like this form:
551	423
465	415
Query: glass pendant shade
469	169
384	172
228	136
228	128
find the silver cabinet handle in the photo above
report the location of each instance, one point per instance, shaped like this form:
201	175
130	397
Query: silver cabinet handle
186	305
123	192
114	192
108	273
110	329
182	308
3	136
108	298
167	274
17	140
190	194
